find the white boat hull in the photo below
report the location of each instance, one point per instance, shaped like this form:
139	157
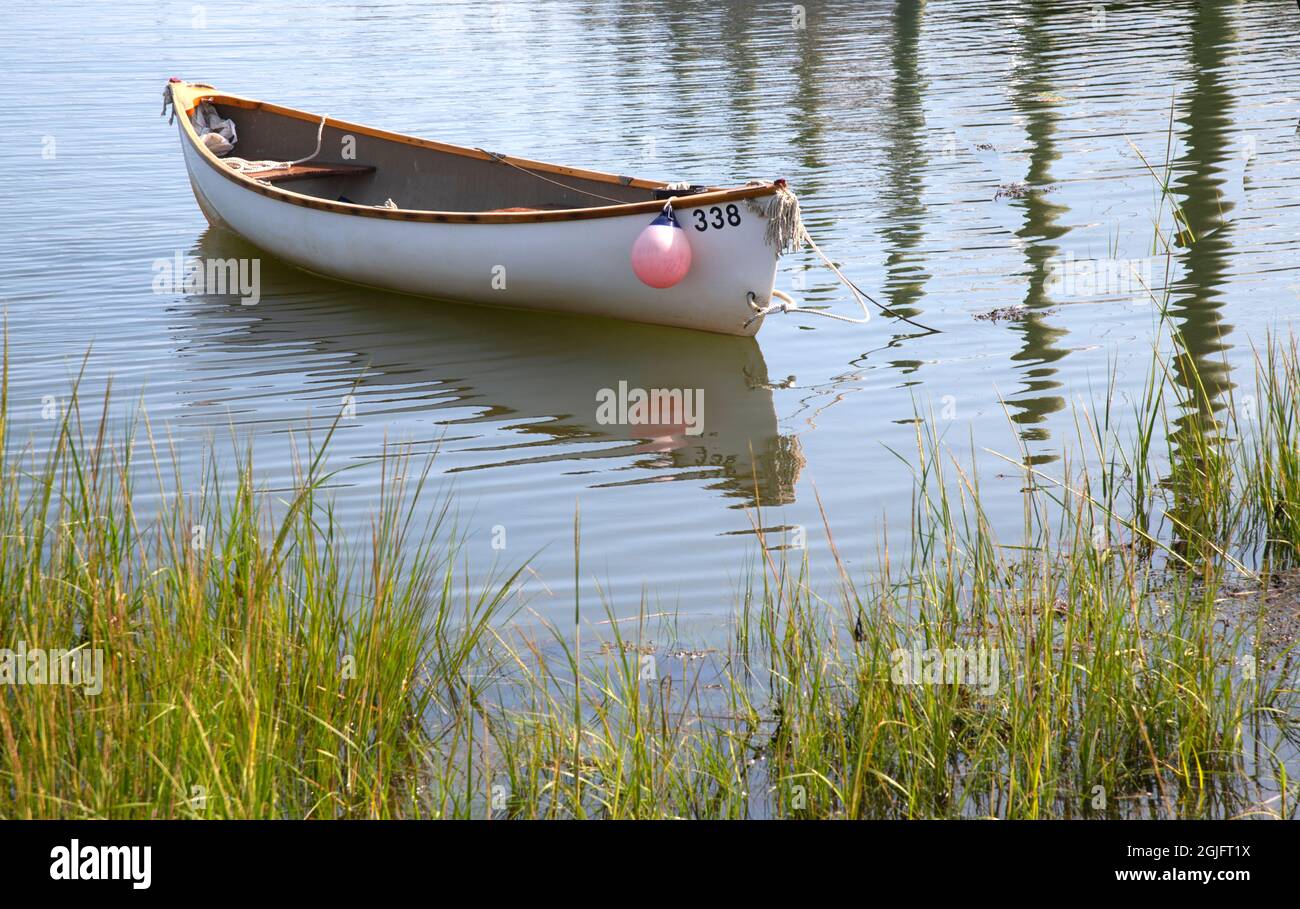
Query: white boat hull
579	266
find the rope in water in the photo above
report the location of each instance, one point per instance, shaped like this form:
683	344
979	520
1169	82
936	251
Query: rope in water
786	231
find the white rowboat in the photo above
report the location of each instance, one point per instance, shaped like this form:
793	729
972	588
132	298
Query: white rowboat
392	211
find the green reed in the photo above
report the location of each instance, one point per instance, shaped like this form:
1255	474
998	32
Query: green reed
253	664
1145	668
257	664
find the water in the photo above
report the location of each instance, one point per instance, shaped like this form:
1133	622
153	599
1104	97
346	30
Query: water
905	129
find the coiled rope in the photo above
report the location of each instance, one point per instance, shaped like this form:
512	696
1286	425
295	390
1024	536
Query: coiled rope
787	233
252	168
242	165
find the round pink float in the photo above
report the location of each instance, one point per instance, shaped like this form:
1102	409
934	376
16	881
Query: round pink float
661	255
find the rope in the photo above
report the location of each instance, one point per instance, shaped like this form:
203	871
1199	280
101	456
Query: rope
784	222
244	166
240	164
167	102
786	232
501	160
320	132
256	167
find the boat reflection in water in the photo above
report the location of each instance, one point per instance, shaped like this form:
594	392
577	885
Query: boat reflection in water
538	379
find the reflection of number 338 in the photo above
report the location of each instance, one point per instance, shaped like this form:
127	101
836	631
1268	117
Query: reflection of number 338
716	217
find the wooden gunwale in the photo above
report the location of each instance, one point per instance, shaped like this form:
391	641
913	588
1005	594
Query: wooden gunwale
187	96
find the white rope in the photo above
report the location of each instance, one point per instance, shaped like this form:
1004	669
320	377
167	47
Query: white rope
241	165
784	221
786	232
789	304
320	132
256	167
245	166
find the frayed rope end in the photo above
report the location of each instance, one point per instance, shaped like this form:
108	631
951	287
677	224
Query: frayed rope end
785	230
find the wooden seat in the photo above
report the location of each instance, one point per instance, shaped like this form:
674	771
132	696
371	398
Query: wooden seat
310	171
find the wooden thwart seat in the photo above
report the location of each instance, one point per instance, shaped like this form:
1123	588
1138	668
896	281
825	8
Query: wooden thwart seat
310	171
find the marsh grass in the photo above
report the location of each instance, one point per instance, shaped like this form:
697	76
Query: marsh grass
1144	669
254	665
257	664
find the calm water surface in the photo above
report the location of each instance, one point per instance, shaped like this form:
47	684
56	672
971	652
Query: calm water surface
949	155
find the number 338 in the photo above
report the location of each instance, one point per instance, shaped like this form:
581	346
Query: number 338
716	217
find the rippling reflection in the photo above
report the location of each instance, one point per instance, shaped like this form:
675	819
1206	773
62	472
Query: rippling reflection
1034	95
905	165
533	377
1205	127
1205	237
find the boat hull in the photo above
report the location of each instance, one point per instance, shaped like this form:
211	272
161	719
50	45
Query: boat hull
577	266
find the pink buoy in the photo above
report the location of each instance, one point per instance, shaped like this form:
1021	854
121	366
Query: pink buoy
661	255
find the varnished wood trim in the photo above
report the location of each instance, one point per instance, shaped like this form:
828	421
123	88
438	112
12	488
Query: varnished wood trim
187	96
311	172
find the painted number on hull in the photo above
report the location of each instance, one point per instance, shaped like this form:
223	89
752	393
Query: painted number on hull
717	217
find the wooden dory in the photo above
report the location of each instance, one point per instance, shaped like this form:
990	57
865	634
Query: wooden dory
473	225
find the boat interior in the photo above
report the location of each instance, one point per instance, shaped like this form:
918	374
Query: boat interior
411	174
